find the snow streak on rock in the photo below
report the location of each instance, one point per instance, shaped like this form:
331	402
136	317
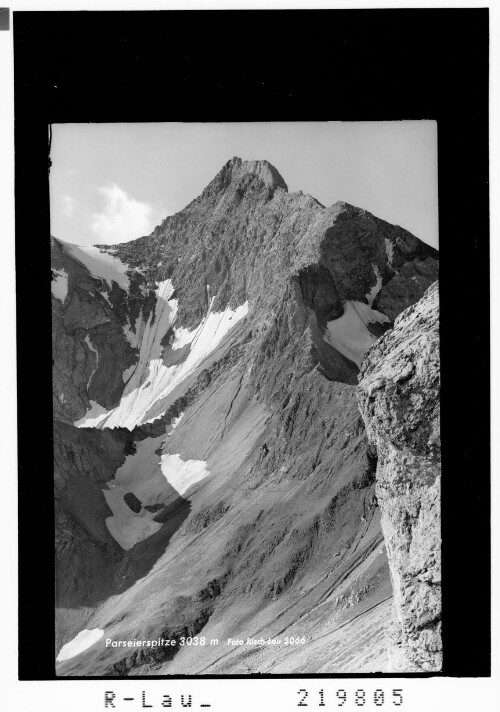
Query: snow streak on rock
389	248
94	350
376	287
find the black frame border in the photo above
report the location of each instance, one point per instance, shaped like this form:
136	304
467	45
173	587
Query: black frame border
260	65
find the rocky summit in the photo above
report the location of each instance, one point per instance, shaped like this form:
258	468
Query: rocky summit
215	477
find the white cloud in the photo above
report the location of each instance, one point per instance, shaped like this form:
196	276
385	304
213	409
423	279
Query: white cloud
123	217
68	205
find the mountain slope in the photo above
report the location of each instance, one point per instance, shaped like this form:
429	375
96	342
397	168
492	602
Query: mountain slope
223	351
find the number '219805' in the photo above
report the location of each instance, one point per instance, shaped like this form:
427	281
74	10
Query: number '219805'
360	698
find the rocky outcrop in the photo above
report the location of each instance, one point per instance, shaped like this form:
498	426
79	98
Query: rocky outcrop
398	397
133	502
84	461
89	345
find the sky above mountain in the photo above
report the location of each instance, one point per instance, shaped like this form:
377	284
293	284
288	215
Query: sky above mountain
115	182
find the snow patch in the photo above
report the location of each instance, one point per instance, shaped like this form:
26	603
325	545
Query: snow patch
376	287
141	474
59	285
100	264
182	337
152	380
153	478
85	639
389	251
175	422
349	333
203	341
209	334
93	415
182	474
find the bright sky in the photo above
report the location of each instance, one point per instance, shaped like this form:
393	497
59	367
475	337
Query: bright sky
115	182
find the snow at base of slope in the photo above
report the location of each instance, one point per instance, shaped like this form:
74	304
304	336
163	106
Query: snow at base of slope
141	474
349	333
96	412
85	639
94	350
181	474
100	264
152	380
59	285
154	479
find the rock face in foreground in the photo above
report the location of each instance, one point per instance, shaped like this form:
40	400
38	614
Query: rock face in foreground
398	397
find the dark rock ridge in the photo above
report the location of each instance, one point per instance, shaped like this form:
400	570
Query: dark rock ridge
399	400
286	523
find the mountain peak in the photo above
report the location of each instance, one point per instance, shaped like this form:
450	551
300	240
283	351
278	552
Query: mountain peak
236	170
266	172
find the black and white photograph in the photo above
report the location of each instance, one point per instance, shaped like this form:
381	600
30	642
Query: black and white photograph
246	394
248	441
